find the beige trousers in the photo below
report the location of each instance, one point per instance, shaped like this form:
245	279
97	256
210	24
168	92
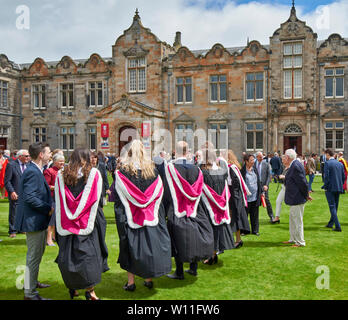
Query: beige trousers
296	224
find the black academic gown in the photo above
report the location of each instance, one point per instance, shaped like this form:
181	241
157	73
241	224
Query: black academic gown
82	259
223	234
239	217
192	238
145	251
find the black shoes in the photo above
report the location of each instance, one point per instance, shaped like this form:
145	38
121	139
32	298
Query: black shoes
337	229
129	287
148	284
239	245
210	261
275	221
256	234
175	276
42	285
191	272
73	293
327	226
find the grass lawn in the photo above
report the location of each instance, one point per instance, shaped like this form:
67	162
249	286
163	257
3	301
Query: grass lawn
263	268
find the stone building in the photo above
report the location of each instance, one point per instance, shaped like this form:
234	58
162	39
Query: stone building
290	93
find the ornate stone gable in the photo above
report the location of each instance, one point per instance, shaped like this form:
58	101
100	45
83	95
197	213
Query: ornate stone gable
4	62
293	28
184	118
335	42
66	65
218	116
125	105
136	51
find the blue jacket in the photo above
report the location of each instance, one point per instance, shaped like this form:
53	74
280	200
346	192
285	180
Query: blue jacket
34	201
333	176
276	164
13	175
296	185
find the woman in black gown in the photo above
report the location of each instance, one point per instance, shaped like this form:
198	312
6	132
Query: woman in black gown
216	178
81	258
145	250
239	218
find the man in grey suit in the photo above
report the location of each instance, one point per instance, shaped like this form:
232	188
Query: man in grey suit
13	173
263	169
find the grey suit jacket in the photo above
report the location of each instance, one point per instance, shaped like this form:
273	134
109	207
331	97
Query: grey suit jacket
265	176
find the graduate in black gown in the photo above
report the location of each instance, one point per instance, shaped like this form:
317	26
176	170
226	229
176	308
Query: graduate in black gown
81	225
145	248
215	180
238	200
188	224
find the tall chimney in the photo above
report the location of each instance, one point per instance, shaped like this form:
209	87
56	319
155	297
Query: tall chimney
177	42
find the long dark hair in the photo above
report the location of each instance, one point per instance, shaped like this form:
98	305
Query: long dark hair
80	158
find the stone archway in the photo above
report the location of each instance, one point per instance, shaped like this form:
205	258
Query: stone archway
126	134
293	138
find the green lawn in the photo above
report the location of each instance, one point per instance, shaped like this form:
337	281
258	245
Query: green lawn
263	268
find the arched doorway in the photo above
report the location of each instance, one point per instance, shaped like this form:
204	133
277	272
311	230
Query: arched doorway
125	136
293	138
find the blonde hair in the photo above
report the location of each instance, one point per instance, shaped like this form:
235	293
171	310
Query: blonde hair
137	158
232	159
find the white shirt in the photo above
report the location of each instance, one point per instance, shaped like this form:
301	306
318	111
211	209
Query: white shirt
41	169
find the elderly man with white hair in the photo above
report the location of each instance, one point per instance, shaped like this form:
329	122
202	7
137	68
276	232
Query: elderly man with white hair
296	195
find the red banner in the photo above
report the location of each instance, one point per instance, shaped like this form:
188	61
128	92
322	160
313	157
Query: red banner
146	129
104	130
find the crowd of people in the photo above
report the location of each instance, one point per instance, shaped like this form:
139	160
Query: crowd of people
190	207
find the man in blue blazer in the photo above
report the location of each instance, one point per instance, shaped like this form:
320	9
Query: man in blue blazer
333	185
13	173
33	214
296	195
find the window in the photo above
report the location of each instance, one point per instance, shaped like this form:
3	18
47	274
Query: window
95	94
184	90
67	135
334	83
184	132
254	86
3	94
39	96
67	95
92	138
292	69
254	136
4	131
218	88
218	135
334	135
39	134
137	75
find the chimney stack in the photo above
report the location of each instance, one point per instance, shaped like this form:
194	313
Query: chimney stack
177	42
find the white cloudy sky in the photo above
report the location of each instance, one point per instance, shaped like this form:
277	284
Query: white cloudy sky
79	28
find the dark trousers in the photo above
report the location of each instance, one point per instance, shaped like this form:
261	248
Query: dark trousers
333	200
253	211
269	206
180	267
11	216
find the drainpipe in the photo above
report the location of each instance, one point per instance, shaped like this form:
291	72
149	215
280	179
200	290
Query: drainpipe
20	114
168	114
266	68
319	107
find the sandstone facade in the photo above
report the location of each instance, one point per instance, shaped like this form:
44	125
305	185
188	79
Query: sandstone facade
291	92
